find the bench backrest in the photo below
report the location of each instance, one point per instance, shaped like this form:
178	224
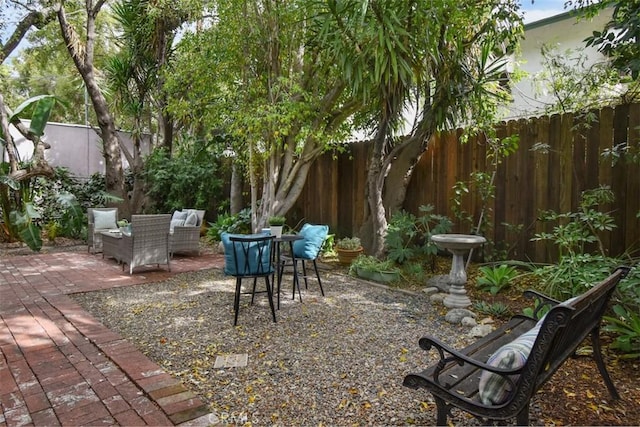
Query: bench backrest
563	329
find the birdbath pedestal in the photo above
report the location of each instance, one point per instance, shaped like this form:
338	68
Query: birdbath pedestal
459	245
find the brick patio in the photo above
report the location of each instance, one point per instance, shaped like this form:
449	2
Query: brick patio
60	366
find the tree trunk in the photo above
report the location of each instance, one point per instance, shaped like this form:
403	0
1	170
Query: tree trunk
406	156
235	195
387	180
82	55
374	228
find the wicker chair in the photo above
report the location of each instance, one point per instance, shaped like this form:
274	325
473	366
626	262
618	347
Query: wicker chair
186	238
94	238
148	242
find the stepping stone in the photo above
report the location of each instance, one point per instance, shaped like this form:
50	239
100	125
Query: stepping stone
231	361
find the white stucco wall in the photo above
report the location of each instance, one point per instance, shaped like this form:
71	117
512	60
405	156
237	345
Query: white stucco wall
565	31
76	147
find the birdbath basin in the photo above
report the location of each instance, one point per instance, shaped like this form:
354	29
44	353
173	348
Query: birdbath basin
459	245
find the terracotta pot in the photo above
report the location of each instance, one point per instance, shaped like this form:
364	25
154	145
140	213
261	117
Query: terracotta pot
346	256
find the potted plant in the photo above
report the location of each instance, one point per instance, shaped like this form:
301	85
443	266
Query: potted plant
124	225
348	249
276	223
370	268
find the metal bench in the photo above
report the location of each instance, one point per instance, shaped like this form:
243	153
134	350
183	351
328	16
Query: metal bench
455	380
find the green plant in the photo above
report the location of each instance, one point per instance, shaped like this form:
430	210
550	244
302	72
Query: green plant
189	177
277	220
328	245
51	230
58	199
349	243
373	264
574	230
122	222
93	193
482	186
73	221
496	309
573	275
495	279
239	223
531	311
626	325
371	268
20	216
409	236
624	321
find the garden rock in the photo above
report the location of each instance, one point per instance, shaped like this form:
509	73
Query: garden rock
441	282
431	290
439	297
468	321
480	331
457	314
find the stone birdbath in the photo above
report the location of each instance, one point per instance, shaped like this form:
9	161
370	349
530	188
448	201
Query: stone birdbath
459	245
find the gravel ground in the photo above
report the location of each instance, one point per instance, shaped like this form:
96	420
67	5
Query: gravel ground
333	360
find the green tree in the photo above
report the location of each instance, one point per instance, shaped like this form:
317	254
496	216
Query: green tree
576	86
444	59
620	38
256	72
44	66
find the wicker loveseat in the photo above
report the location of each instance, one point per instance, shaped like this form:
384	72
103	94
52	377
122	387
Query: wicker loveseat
185	231
148	242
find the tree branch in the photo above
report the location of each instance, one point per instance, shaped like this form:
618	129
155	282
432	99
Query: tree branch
34	18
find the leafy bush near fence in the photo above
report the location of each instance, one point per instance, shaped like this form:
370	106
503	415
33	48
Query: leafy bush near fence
409	236
577	270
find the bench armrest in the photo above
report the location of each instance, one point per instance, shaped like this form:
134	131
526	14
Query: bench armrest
545	301
455	356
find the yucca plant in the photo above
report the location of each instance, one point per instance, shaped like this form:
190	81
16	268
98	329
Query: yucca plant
495	279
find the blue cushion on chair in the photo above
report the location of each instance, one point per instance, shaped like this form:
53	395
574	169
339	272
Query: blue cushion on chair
254	264
314	236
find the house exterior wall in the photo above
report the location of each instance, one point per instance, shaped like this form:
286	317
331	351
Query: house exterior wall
566	32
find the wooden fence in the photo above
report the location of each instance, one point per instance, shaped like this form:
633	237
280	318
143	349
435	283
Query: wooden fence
527	182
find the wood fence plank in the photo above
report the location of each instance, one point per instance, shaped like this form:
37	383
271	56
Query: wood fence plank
619	178
605	142
531	181
632	224
565	173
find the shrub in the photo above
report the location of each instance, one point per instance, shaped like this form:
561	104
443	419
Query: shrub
409	236
237	224
184	180
496	309
495	279
349	243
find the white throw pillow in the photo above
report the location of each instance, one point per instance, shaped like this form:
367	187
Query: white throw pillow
176	223
192	220
493	388
103	220
179	215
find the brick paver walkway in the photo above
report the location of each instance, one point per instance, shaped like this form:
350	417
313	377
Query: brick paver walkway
60	366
